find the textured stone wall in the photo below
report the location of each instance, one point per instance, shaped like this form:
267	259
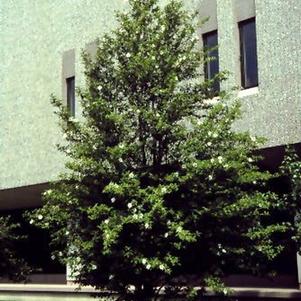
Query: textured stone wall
35	34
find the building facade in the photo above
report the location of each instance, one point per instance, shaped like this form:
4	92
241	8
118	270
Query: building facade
41	45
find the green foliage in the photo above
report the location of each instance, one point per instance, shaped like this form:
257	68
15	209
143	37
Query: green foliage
11	265
158	185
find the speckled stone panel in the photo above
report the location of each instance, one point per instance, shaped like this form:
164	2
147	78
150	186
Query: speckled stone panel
35	34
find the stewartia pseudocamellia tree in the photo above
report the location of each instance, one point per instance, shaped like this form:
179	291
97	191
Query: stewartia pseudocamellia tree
157	184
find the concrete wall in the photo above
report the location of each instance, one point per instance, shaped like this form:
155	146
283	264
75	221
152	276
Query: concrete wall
35	34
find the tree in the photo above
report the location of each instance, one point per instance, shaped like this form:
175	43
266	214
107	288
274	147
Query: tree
158	185
12	266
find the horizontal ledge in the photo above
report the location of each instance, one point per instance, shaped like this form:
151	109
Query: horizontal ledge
248	92
281	293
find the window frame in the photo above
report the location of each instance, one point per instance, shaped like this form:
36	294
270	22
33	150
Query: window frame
242	47
216	88
70	95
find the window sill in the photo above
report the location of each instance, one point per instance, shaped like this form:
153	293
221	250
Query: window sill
248	92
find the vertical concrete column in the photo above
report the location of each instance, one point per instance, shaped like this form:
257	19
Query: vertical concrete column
68	70
228	40
299	269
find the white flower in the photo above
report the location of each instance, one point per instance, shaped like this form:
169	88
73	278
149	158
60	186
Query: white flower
128	55
120	160
148	266
131	287
215	135
40	216
144	261
67	232
113	200
146	225
254	182
253	138
52	257
224	251
161	267
99	88
121	145
210	177
131	175
250	160
166	235
212	160
106	221
94	267
209	143
111	277
31	221
194	164
163	190
47	192
225	291
60	254
220	159
130	205
209	133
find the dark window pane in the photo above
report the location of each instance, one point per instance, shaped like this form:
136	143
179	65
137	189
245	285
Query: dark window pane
248	53
212	67
70	82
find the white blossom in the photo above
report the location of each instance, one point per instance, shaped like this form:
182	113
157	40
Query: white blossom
250	160
253	138
161	267
111	277
212	160
106	221
52	257
40	216
194	164
214	135
144	261
131	175
128	55
220	159
99	88
113	200
60	253
209	143
166	235
146	225
67	232
210	177
163	190
130	205
31	221
224	251
148	266
94	267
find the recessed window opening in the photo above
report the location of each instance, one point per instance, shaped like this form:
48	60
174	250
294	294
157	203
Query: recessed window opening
211	67
70	83
248	53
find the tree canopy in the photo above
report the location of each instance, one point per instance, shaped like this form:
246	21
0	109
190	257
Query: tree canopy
158	185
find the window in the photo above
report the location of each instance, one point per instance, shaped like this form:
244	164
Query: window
212	66
70	83
248	53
